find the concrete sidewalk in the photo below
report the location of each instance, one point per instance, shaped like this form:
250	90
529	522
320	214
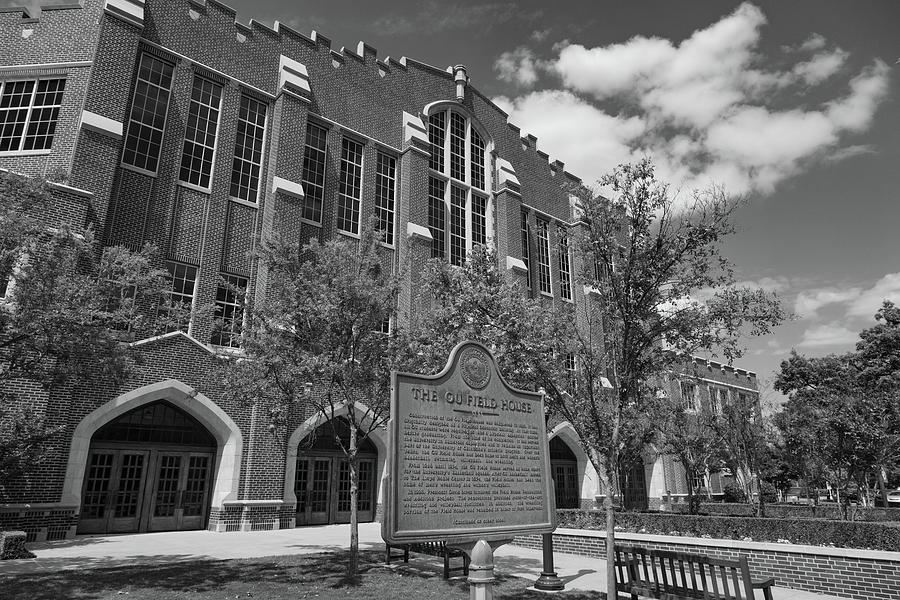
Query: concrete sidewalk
85	552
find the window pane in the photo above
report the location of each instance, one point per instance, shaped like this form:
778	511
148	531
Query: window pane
18	129
384	196
350	190
436	216
200	134
565	273
148	113
314	172
543	257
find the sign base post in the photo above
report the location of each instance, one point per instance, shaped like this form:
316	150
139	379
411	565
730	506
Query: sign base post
549	581
481	567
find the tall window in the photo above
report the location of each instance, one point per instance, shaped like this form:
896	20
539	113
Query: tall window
28	113
437	212
718	398
350	191
314	172
385	185
565	271
526	248
147	121
543	257
200	134
248	149
688	396
229	311
178	304
458	200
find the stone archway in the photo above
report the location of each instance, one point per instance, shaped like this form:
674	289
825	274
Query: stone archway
585	475
378	438
229	441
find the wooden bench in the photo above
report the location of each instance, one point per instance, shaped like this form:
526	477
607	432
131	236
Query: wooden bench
680	576
434	549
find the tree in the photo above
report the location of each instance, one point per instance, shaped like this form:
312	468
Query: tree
692	433
319	343
830	416
67	306
649	261
878	361
642	260
745	445
480	303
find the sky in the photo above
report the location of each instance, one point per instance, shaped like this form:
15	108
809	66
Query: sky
793	106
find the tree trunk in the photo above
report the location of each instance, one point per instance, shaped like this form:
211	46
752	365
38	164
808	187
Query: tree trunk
353	562
610	542
761	505
881	487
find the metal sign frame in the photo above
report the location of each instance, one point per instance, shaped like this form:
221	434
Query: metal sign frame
469	389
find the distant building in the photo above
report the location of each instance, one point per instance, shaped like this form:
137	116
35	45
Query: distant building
178	126
701	384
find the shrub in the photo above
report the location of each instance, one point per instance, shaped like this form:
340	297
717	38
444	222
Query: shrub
821	532
768	492
797	511
735	493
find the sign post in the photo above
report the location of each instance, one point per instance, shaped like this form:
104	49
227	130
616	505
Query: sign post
469	463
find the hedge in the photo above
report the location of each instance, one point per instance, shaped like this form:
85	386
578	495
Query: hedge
798	511
814	532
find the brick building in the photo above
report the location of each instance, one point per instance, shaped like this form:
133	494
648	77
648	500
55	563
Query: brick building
176	125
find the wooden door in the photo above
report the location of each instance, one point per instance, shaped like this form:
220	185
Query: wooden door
128	499
164	496
365	502
96	496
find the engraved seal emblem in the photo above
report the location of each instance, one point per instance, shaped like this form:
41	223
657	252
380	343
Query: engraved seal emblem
475	369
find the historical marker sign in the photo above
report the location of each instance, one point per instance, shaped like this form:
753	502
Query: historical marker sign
468	455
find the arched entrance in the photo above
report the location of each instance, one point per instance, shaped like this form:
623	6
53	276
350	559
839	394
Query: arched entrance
322	477
564	468
148	470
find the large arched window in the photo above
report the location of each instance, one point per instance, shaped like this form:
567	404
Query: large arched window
459	212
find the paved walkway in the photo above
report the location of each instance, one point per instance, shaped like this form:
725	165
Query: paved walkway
85	552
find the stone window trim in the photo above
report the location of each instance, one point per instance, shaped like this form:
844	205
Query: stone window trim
39	104
138	129
466	217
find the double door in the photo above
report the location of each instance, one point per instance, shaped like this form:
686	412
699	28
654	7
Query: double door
322	487
129	490
565	484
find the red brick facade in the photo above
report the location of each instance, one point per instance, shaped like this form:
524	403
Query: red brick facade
382	104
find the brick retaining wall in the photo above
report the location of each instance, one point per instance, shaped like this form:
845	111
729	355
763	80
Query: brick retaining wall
851	573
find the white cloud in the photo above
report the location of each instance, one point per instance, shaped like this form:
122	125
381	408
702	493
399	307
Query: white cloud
831	334
559	118
810	301
821	66
708	112
767	284
813	42
869	301
518	66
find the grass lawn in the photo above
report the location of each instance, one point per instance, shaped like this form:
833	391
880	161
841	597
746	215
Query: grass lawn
296	577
